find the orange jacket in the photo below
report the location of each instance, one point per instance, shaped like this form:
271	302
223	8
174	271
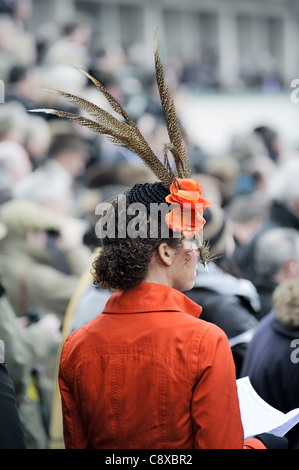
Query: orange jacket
146	374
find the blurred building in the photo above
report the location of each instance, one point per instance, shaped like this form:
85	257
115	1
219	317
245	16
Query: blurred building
241	38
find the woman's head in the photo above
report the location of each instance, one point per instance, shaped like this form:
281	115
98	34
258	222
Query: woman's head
140	248
124	261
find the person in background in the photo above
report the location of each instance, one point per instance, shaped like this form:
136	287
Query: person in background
277	260
247	213
271	361
36	288
29	276
282	195
228	301
64	165
28	348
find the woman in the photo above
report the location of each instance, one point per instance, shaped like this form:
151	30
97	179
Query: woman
147	372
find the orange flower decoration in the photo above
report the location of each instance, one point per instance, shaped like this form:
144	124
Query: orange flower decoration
187	215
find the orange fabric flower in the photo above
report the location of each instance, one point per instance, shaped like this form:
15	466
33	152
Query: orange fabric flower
187	215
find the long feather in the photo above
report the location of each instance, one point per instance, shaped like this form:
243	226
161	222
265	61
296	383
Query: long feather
118	132
116	106
125	132
176	146
99	114
83	121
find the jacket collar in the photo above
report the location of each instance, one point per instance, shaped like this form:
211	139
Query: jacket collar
150	297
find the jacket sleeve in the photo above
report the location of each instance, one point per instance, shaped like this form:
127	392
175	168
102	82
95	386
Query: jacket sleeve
75	436
11	431
253	443
215	406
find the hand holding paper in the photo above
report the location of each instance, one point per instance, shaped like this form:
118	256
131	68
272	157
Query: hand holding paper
260	417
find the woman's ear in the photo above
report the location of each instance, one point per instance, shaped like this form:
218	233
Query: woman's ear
165	254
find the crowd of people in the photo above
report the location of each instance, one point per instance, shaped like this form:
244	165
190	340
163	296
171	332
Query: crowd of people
53	174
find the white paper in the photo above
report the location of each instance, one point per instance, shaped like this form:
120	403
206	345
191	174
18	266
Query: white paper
258	416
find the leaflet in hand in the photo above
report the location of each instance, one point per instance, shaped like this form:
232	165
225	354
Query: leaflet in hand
258	416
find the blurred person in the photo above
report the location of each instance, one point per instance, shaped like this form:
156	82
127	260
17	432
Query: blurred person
15	37
24	86
108	62
46	34
67	156
270	138
27	346
225	168
11	430
15	162
212	187
271	361
277	260
53	193
5	189
247	213
256	166
63	166
72	47
25	44
259	169
35	283
13	119
37	140
6	7
7	32
49	190
228	301
282	196
55	77
30	279
22	11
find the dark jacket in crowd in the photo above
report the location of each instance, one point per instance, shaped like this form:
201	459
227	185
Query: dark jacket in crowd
271	362
230	303
279	216
265	288
11	431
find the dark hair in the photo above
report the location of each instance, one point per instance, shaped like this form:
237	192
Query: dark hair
64	142
123	262
71	26
18	73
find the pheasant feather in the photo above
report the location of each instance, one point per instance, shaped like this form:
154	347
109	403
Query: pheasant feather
173	128
124	133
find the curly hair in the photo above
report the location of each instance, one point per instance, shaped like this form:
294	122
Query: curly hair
123	262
